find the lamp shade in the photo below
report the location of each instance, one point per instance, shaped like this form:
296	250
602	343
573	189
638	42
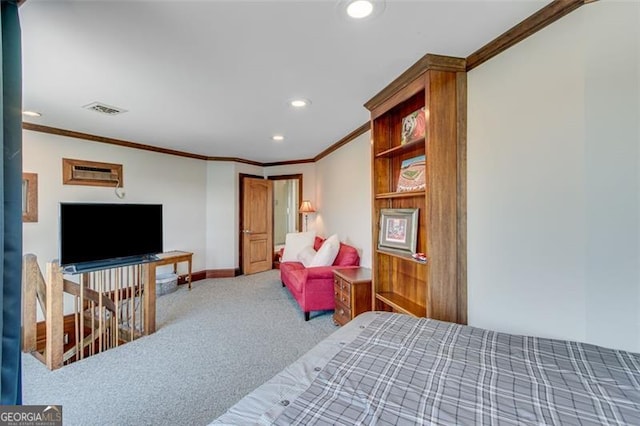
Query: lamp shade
306	207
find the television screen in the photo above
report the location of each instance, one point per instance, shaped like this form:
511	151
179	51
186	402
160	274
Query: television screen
92	232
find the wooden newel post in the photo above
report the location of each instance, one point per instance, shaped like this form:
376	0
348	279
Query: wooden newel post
149	298
29	316
54	317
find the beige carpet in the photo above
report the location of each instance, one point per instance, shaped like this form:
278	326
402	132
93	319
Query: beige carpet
214	344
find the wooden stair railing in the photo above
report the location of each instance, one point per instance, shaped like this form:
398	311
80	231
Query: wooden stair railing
110	307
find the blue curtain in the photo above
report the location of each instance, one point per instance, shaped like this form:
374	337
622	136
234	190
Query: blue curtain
11	213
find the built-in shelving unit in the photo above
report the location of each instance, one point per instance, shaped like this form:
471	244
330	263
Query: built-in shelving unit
437	288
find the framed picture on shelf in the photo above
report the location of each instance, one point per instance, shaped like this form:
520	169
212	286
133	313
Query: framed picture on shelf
412	175
414	127
398	230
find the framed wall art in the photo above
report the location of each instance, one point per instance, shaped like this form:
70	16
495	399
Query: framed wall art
412	175
398	230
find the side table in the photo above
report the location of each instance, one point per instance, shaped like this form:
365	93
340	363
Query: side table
352	293
175	257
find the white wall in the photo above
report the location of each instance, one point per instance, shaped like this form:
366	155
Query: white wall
343	188
612	78
222	217
553	181
177	183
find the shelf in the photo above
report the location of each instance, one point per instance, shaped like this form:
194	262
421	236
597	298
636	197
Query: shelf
404	194
401	304
400	255
401	148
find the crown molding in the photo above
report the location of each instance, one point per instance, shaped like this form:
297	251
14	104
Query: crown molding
102	139
531	25
128	144
345	140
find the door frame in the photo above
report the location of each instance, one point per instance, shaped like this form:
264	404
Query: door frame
297	177
241	178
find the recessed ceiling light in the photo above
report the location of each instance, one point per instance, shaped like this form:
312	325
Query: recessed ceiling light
277	137
359	9
31	114
299	102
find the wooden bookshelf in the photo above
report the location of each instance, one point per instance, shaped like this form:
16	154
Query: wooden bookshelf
437	288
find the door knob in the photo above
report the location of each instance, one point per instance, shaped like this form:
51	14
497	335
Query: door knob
246	231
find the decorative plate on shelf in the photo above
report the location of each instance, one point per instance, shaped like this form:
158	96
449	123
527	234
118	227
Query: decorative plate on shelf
414	127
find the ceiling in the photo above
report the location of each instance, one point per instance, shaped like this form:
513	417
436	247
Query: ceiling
214	78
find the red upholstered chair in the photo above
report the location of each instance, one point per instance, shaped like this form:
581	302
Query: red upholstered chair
312	287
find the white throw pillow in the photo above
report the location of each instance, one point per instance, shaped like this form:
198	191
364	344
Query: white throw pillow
306	256
327	252
294	243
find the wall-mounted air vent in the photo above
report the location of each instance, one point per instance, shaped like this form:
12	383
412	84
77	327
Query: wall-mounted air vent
92	173
104	108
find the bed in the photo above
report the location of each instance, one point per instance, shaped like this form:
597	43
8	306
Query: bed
392	369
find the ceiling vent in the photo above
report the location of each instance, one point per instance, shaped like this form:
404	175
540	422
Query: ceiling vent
104	108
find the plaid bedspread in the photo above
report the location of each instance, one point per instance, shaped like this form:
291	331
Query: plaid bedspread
404	370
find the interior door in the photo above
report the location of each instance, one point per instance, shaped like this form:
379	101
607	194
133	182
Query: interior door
257	225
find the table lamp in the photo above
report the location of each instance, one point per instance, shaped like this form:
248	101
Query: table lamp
306	208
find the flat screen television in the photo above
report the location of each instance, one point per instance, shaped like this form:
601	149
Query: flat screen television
98	233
